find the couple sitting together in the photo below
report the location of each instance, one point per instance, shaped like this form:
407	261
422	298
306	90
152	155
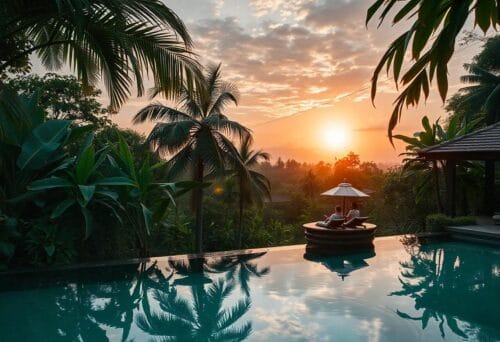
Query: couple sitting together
337	219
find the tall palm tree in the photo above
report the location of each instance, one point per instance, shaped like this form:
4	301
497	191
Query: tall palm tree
254	187
197	134
116	40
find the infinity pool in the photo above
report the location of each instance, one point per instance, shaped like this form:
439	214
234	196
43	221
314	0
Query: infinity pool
400	292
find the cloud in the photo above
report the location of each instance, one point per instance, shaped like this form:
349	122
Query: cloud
285	61
300	56
339	14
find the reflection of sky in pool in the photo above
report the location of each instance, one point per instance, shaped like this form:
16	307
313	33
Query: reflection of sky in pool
439	291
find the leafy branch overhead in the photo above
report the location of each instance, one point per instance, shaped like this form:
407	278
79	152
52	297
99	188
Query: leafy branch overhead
430	41
116	41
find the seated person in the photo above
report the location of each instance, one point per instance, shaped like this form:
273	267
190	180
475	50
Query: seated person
337	215
354	212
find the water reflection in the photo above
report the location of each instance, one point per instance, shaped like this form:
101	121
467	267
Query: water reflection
343	265
180	300
418	293
242	268
201	315
455	284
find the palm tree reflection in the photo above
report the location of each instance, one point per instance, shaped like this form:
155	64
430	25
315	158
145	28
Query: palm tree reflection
202	317
191	299
243	267
453	283
123	298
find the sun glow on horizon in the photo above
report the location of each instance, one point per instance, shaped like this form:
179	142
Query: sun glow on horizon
336	137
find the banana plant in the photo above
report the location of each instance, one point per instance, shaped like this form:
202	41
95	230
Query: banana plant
84	186
30	146
146	201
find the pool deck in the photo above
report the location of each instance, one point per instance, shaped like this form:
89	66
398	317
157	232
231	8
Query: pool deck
484	233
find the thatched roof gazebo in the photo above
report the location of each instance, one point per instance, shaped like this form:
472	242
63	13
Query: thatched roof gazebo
482	145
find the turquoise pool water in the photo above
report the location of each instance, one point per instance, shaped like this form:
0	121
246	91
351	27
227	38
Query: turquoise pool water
401	292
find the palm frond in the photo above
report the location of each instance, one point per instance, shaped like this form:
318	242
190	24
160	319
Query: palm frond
158	111
189	102
114	40
235	334
209	149
181	161
226	126
228	94
256	157
170	137
175	306
160	324
231	316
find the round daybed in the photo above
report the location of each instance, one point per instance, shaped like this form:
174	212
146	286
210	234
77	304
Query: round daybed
339	240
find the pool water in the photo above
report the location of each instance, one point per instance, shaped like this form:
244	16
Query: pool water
401	291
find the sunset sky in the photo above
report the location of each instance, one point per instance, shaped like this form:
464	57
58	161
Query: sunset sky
303	69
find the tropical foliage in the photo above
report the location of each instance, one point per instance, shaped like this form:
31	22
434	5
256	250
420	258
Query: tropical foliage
45	187
116	41
430	41
63	97
429	174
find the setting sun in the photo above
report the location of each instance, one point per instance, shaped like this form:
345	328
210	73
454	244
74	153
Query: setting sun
336	137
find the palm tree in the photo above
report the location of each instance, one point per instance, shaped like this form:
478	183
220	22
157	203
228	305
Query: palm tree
254	187
197	133
118	40
484	89
428	170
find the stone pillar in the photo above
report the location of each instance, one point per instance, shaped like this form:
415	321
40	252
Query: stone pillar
450	175
489	187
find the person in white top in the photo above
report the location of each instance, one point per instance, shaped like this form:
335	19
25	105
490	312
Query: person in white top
354	212
335	216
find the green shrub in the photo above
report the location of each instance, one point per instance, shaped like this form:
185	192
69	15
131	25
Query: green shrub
438	222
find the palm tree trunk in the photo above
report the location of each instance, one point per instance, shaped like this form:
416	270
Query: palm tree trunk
437	188
240	224
198	203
